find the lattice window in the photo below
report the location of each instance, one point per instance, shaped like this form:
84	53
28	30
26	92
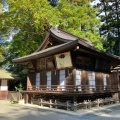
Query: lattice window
78	79
48	80
62	79
104	80
92	79
37	79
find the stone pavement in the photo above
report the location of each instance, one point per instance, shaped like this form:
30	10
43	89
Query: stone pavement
10	111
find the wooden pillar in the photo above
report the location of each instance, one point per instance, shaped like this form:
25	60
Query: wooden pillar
119	96
118	77
84	80
26	98
74	83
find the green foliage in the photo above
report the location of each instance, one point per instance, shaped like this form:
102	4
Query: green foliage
19	88
17	70
32	18
79	18
29	19
3	51
1	7
14	102
110	29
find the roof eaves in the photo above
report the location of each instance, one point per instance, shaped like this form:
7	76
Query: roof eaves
90	47
47	52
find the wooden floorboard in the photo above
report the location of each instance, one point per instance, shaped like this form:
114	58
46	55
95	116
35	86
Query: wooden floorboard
69	92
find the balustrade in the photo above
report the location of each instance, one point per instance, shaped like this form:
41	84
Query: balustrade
72	88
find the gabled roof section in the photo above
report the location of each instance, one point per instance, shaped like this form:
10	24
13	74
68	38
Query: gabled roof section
59	34
65	36
47	52
68	42
6	75
44	42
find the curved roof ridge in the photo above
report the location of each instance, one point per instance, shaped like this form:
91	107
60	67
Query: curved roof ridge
63	34
46	37
60	33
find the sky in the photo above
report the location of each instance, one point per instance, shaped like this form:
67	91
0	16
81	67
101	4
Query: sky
95	2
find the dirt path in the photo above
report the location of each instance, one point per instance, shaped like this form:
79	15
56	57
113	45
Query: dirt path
30	112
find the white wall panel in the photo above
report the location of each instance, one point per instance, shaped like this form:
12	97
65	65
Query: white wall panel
4	86
37	79
78	79
49	79
62	79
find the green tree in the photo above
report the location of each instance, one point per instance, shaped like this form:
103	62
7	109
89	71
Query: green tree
79	18
29	19
2	51
110	29
1	6
32	18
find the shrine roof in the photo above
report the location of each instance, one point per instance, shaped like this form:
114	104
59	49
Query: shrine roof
6	75
69	42
47	52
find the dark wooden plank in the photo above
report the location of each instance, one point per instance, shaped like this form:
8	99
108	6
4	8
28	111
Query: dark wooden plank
84	80
69	77
108	80
45	77
112	76
99	80
53	79
74	76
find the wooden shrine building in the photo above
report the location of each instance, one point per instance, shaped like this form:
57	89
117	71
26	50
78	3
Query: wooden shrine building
68	68
4	77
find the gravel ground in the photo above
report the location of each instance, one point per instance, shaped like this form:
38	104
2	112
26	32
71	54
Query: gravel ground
10	111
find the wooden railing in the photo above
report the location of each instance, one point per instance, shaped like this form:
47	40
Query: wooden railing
78	88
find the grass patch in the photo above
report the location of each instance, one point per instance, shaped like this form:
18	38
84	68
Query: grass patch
14	102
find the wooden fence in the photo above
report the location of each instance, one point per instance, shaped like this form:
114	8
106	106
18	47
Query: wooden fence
14	96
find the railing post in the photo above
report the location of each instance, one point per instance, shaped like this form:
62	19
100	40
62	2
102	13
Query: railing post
89	103
41	100
50	103
85	102
98	101
26	97
67	105
56	104
75	106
